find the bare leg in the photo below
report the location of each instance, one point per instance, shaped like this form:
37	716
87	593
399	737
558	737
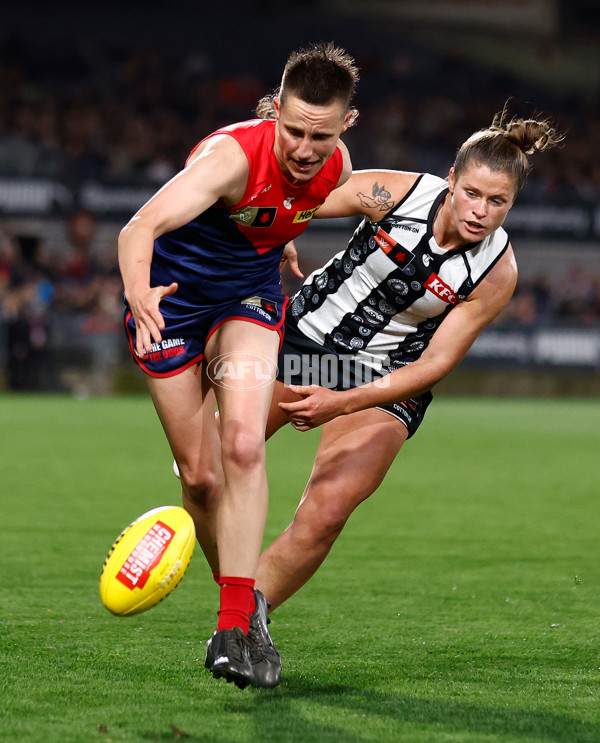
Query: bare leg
354	454
243	408
186	407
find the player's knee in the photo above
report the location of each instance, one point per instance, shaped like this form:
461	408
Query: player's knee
332	520
328	506
321	524
316	532
202	487
243	449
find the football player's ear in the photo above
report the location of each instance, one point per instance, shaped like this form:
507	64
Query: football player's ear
451	181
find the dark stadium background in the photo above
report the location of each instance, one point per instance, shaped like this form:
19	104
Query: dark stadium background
99	105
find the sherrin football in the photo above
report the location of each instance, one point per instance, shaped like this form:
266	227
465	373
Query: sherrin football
148	560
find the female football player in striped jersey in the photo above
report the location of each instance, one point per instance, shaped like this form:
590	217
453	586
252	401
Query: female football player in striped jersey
371	332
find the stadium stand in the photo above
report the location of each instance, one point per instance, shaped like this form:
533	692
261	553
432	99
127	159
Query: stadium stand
89	130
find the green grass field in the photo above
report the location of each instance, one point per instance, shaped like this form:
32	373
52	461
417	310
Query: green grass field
461	604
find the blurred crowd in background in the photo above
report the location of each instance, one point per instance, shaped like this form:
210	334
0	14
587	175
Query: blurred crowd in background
127	115
119	115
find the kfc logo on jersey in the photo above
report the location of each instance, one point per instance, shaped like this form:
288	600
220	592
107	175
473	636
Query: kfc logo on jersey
391	248
441	290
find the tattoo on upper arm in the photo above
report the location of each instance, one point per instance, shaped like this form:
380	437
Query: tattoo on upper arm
380	198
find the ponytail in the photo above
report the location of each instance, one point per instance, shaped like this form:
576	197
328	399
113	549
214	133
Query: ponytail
505	146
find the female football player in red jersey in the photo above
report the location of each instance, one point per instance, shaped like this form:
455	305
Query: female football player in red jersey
200	267
427	270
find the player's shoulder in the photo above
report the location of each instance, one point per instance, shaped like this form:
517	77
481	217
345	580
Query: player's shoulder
216	144
220	164
501	279
252	135
245	137
508	262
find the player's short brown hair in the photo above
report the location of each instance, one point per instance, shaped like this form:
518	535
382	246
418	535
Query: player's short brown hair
320	75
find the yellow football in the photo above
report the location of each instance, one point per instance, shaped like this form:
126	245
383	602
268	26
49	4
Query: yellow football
148	560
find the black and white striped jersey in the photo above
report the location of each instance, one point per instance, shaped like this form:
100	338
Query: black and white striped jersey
382	299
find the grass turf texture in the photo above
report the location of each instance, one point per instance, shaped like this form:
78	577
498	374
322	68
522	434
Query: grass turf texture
461	603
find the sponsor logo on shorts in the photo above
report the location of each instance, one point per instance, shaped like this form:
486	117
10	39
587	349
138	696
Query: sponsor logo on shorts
401	410
305	215
441	290
261	312
146	555
239	370
166	349
262	306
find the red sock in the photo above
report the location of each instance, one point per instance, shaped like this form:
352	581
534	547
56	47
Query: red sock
237	597
217	579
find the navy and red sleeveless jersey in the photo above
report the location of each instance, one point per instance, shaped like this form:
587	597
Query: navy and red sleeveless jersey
231	252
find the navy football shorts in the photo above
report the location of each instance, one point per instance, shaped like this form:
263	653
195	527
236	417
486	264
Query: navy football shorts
303	362
186	334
